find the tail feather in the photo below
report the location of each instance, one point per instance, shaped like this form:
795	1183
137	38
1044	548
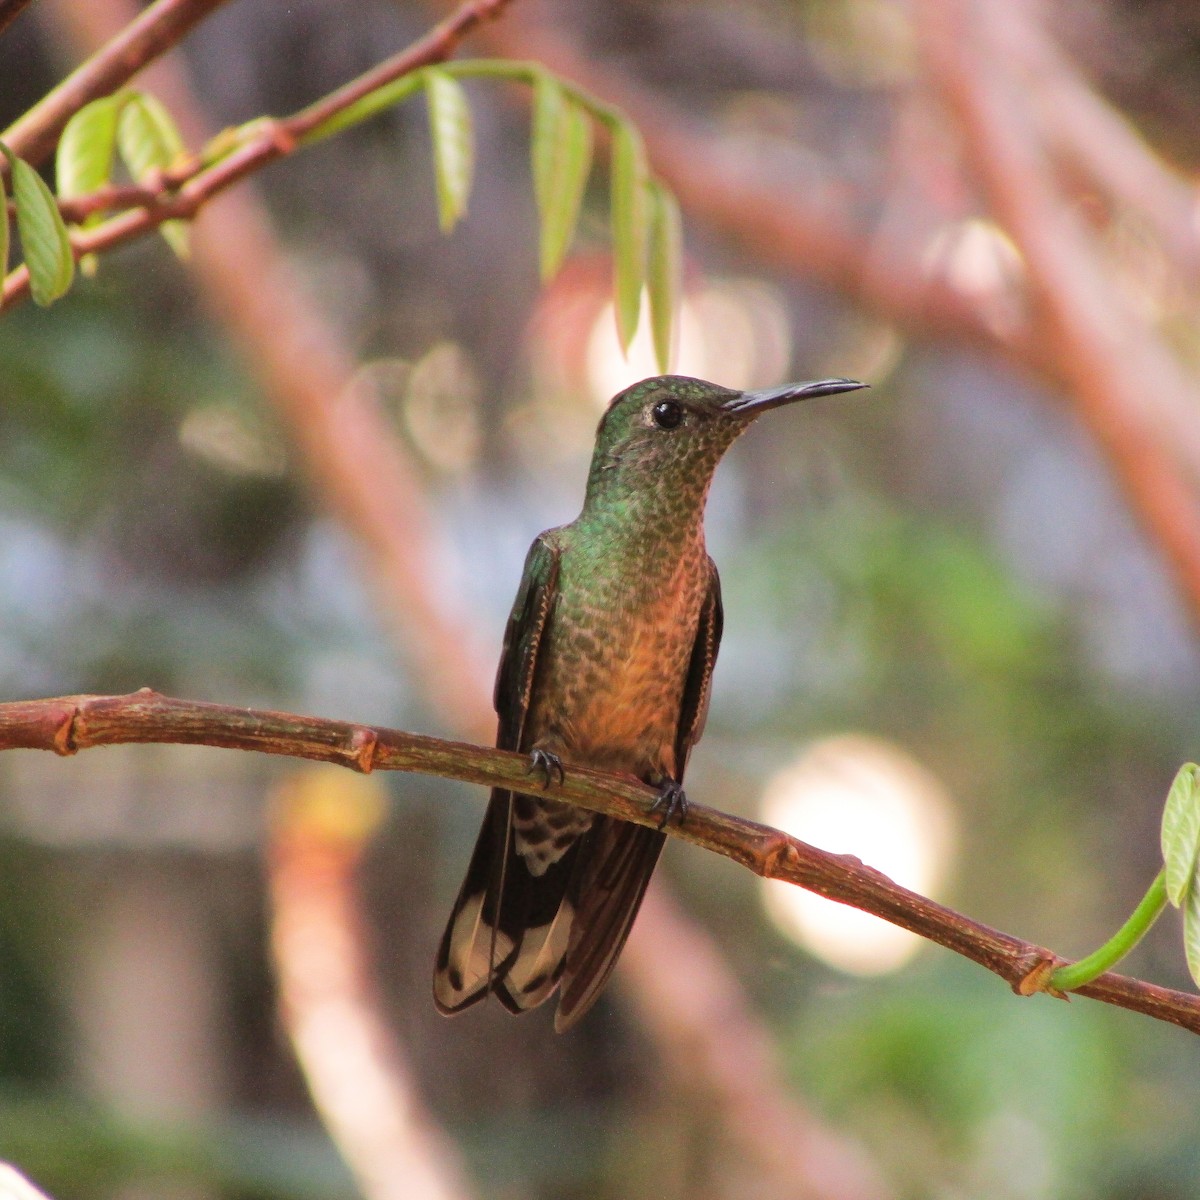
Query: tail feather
501	911
520	935
619	870
481	937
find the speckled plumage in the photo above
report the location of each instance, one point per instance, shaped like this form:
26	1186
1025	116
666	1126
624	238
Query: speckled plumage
607	663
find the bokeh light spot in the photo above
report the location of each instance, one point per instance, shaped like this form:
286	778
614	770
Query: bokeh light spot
862	796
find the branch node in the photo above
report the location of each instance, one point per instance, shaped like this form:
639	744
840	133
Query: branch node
777	856
63	740
1038	967
280	136
363	744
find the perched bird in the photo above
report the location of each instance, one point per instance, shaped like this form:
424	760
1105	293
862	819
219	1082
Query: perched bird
607	663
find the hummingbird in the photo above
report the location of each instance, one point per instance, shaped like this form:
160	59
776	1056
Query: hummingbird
607	663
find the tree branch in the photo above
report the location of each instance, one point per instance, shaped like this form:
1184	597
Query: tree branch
435	46
166	22
183	191
68	724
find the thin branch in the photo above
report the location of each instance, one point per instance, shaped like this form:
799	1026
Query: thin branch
166	22
68	724
183	191
436	45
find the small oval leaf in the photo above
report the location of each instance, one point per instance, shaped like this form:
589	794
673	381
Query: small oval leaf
1181	832
85	151
664	273
628	204
1191	932
44	239
149	142
453	145
147	136
568	180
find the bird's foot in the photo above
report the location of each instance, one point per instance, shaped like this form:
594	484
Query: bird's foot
548	765
671	803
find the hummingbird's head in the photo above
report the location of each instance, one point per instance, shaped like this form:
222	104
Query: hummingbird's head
673	430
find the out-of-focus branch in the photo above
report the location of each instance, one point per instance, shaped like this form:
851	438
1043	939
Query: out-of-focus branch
716	1048
351	1059
1129	389
161	26
1087	134
68	724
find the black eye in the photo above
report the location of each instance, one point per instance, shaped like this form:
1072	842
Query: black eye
667	414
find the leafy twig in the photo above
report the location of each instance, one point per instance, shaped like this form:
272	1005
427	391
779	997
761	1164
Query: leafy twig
68	724
183	190
34	134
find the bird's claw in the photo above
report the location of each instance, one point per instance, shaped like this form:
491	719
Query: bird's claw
548	764
671	803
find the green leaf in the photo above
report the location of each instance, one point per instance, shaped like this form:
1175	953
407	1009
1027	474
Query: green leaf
1181	833
3	231
567	176
453	145
176	235
147	136
44	239
664	276
628	203
84	161
1191	932
150	142
85	150
549	111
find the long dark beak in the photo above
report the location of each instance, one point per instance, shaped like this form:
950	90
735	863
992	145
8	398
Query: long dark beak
750	404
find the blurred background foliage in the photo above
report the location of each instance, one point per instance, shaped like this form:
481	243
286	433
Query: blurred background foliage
945	564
